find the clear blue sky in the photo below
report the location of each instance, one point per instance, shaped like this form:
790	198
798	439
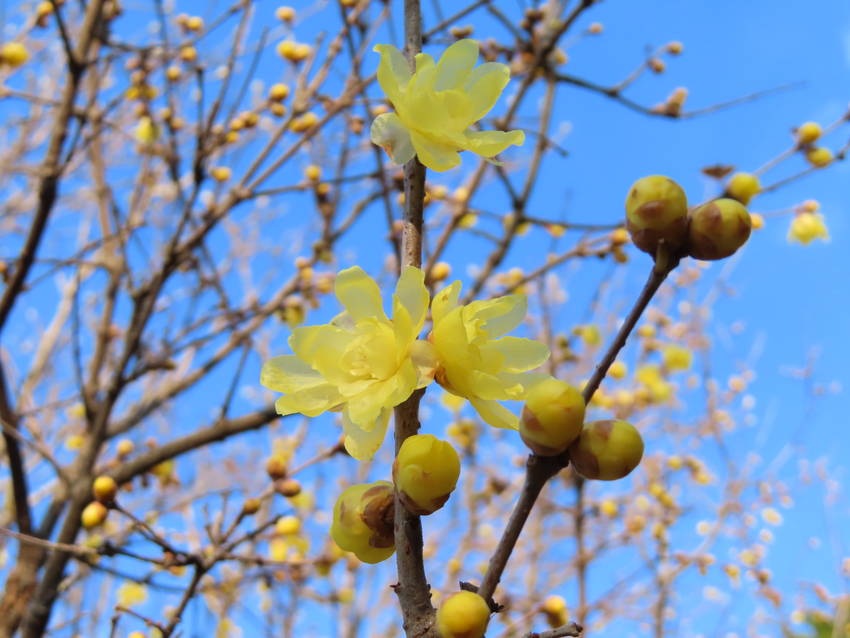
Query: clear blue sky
792	300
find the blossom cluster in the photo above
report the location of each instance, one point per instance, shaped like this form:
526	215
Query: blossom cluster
364	363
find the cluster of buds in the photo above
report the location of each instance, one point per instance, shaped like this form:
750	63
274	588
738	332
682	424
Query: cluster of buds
657	214
552	423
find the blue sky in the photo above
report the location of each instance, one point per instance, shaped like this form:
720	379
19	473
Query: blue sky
790	301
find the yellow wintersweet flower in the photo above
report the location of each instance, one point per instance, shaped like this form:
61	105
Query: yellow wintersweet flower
436	106
476	361
361	363
806	227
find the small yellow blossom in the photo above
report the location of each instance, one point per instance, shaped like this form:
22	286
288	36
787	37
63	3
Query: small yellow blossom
476	361
437	105
130	594
13	54
771	515
806	227
362	362
677	357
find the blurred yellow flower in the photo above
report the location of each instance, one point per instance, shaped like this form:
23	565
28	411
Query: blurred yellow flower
436	106
130	594
806	227
476	361
361	363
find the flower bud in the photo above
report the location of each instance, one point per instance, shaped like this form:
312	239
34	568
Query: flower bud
287	487
657	210
14	54
463	615
425	473
551	417
93	515
363	521
606	450
743	187
718	229
819	156
251	506
808	132
105	488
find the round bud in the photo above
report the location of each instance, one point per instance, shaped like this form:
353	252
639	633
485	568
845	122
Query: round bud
656	211
743	187
105	488
425	473
93	515
251	506
463	615
125	447
363	521
808	132
14	54
819	156
551	417
276	467
288	525
718	229
221	173
287	487
278	92
606	450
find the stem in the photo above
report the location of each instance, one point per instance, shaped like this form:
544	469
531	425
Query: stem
538	469
413	590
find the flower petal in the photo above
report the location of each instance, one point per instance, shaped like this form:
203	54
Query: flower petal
455	64
495	414
288	373
490	143
359	293
424	358
360	443
393	71
310	402
411	292
435	156
445	301
390	134
518	354
498	316
484	85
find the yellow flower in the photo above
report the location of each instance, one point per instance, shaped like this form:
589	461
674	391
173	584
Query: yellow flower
436	106
362	362
130	594
806	227
476	361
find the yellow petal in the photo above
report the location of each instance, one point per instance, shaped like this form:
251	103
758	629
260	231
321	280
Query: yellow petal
393	71
411	292
359	293
455	64
445	301
495	414
424	359
490	143
362	444
321	347
435	156
518	354
390	134
288	373
311	402
484	85
499	316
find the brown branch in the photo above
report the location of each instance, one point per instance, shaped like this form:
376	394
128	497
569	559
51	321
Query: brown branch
540	469
413	591
570	629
